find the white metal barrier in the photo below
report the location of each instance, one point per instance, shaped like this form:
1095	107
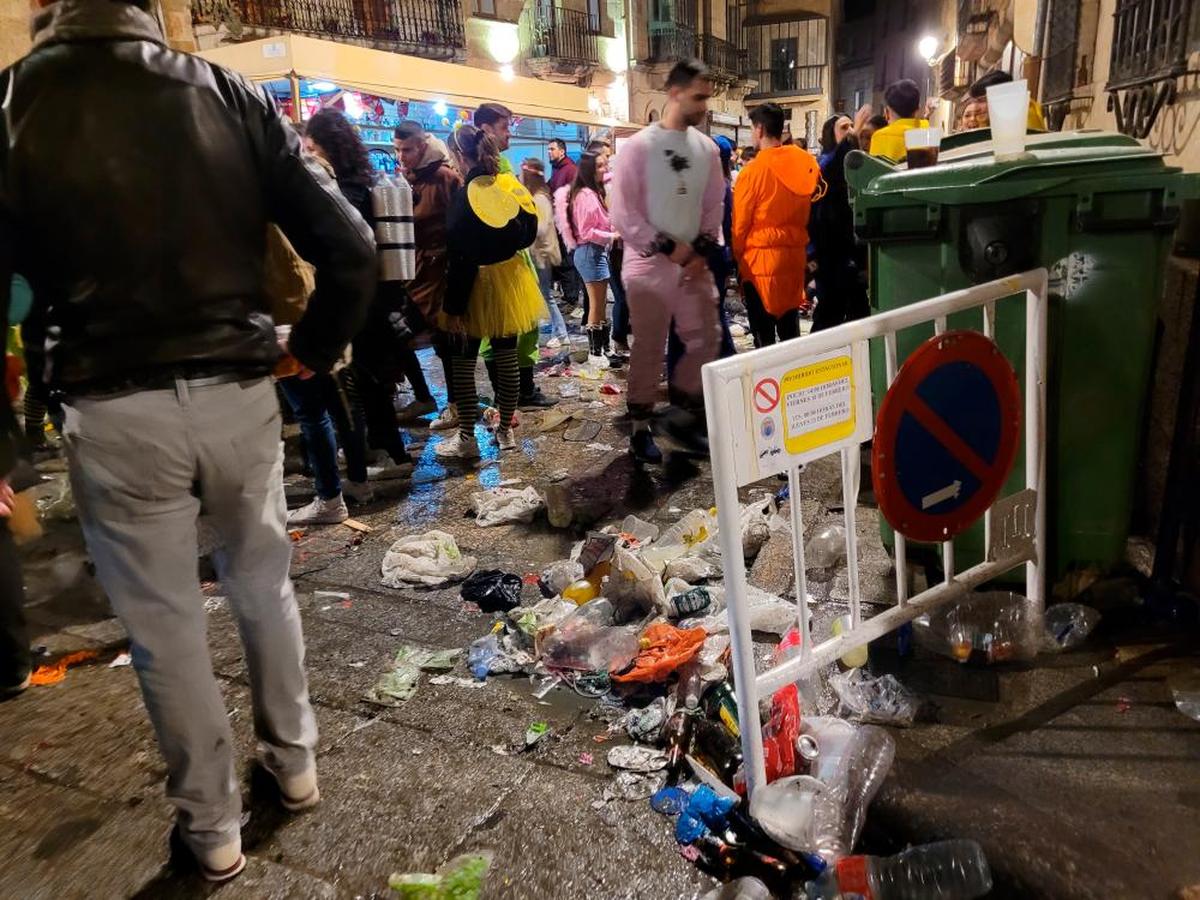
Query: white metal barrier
774	409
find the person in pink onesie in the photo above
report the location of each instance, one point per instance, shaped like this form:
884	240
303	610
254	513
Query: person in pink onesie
667	201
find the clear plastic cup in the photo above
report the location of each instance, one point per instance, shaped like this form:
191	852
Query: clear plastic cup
922	146
1008	112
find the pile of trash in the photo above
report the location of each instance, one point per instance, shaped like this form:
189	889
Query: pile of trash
636	620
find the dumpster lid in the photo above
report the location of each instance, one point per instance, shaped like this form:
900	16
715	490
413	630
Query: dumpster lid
976	177
978	141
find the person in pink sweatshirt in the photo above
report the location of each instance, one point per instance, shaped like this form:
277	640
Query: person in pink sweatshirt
581	211
668	202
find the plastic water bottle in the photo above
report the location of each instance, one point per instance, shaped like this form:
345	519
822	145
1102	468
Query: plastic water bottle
946	870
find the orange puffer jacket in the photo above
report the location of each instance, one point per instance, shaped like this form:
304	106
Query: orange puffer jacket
771	205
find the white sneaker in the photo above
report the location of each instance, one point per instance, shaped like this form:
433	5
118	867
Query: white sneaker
320	512
506	439
298	792
446	419
454	447
358	491
389	472
221	863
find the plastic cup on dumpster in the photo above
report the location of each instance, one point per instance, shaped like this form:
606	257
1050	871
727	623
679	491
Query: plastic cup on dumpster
1008	112
922	146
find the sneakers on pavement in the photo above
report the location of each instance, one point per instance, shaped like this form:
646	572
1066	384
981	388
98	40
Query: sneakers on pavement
415	410
643	448
320	512
506	438
454	447
446	419
358	491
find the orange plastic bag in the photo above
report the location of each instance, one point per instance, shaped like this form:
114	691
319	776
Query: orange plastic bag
57	671
664	649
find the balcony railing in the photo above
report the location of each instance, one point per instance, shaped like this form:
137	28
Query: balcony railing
550	32
422	27
725	61
780	81
670	41
1150	41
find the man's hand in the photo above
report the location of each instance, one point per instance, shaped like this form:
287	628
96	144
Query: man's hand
7	499
860	117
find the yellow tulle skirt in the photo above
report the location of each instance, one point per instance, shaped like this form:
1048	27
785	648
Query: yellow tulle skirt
506	300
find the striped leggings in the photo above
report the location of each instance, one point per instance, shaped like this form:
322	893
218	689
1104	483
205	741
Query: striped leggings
466	395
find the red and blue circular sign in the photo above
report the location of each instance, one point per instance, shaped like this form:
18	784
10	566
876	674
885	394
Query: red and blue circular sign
946	436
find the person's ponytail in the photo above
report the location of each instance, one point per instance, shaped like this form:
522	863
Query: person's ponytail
477	148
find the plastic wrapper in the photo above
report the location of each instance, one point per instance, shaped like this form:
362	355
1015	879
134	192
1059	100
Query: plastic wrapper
501	506
767	613
543	614
492	590
581	644
559	575
694	567
991	627
461	878
634	758
756	526
1068	625
639	529
826	548
665	649
429	559
646	724
883	700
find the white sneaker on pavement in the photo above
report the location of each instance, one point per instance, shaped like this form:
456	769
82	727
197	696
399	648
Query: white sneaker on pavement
358	491
320	512
298	792
222	863
454	447
506	439
446	419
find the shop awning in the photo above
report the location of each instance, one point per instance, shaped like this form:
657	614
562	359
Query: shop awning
403	77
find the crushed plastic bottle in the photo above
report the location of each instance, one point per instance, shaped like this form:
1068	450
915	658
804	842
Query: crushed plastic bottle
946	870
481	654
826	548
883	700
1068	625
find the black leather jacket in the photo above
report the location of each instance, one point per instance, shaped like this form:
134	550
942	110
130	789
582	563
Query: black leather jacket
136	184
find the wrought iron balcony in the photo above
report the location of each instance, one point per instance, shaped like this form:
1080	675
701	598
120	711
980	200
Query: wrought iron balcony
420	27
671	41
725	61
781	81
559	35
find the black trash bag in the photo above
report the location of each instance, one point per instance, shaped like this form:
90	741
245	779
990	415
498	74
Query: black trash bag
492	590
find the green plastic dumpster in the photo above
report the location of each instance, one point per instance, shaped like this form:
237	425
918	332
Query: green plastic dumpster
1098	211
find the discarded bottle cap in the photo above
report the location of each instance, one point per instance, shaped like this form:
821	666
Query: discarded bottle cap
808	748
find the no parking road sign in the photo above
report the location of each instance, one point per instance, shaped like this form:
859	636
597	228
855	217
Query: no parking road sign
946	436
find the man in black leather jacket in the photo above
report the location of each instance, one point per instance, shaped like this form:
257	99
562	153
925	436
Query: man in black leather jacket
136	185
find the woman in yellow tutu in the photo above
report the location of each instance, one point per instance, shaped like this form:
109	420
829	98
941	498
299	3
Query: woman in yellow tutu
491	289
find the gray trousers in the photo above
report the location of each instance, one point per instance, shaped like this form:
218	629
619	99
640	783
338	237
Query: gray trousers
141	466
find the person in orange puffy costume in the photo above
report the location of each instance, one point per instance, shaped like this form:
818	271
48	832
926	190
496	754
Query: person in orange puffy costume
771	205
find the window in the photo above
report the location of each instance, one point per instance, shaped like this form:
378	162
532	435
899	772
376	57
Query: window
733	23
783	64
1062	40
485	8
593	12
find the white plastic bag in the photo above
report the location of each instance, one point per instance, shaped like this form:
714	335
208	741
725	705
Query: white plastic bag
430	559
633	588
500	506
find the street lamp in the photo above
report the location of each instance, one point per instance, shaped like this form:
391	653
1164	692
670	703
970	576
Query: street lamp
928	48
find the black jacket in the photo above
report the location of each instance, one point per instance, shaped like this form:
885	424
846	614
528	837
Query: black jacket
136	184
